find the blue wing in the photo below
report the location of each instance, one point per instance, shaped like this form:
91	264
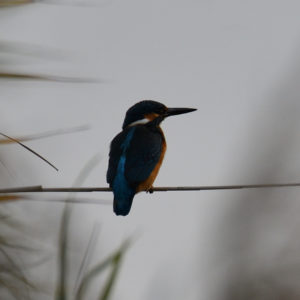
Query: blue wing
123	192
117	150
140	149
142	154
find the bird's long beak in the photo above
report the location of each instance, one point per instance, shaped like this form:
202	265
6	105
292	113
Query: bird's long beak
178	111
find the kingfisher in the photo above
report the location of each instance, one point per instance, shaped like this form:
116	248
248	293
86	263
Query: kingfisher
137	152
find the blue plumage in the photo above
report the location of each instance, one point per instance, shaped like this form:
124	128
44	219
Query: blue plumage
123	193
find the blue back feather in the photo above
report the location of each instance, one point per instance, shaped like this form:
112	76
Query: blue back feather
123	193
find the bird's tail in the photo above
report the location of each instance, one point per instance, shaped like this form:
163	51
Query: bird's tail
122	204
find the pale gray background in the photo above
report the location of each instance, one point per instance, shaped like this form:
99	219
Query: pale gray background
236	61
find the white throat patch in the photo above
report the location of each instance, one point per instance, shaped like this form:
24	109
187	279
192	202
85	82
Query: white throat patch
142	121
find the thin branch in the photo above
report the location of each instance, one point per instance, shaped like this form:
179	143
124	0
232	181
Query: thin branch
61	200
40	189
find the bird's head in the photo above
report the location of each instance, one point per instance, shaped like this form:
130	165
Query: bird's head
148	110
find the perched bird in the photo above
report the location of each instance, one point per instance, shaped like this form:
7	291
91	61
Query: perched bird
137	152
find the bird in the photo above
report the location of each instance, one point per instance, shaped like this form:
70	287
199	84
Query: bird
137	152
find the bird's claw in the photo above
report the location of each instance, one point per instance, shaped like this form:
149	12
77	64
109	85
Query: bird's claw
150	190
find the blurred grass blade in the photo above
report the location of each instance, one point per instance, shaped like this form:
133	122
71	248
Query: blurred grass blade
11	245
8	75
15	270
4	198
14	2
13	290
29	49
4	3
88	253
44	134
113	260
30	150
63	263
112	278
61	289
91	274
19	280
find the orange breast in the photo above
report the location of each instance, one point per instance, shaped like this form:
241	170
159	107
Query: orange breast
147	184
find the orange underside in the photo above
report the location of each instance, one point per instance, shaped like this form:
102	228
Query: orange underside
147	185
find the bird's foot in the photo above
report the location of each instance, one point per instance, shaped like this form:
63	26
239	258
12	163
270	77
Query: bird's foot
150	190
